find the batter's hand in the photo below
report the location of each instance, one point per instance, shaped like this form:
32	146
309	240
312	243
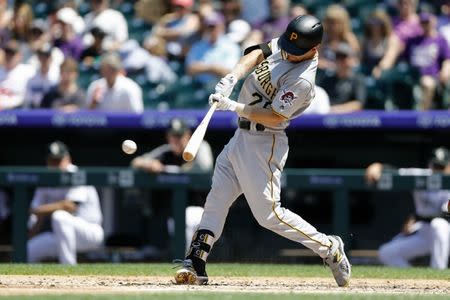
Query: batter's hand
223	103
226	85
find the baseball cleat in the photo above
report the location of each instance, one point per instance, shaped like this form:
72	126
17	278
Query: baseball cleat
187	274
338	262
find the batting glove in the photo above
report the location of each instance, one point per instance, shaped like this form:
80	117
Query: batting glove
226	85
224	103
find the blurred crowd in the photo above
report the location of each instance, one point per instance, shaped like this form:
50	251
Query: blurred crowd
127	56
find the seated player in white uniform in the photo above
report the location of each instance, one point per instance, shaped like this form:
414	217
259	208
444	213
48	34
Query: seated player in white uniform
72	214
428	231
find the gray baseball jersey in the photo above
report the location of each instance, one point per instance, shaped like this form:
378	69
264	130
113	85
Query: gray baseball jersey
252	162
287	87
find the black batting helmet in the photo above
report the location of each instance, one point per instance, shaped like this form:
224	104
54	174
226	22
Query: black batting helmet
439	158
302	34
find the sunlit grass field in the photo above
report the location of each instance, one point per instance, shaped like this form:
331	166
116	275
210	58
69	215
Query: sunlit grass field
224	270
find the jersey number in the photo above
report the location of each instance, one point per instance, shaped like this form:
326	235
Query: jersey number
258	99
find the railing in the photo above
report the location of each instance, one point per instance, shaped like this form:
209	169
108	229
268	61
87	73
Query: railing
159	120
340	182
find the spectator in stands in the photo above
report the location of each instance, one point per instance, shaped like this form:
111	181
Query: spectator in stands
65	36
73	213
254	12
168	158
231	10
337	30
114	91
214	55
150	10
66	95
434	66
43	80
430	54
178	28
239	32
13	77
39	36
320	104
21	26
275	24
91	55
407	24
111	21
237	29
136	59
443	21
297	10
378	39
345	87
427	232
6	15
406	27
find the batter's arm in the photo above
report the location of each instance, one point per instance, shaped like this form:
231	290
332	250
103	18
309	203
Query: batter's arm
247	63
264	116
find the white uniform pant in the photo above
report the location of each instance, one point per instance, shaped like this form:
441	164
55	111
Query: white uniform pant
251	163
430	239
193	216
69	235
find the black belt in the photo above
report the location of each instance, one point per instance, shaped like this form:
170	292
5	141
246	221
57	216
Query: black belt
245	124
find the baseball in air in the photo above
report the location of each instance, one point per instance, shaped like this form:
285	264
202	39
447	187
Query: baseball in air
129	146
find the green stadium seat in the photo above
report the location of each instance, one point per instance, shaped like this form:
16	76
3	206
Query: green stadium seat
127	9
138	29
86	76
400	82
360	9
41	10
84	8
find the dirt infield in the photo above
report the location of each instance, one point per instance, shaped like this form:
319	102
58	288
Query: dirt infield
37	285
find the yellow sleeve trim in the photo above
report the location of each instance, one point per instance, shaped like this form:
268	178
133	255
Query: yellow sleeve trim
278	114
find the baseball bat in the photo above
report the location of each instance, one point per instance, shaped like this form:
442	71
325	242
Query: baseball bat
197	137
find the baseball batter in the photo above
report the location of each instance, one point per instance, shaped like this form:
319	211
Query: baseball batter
428	232
280	88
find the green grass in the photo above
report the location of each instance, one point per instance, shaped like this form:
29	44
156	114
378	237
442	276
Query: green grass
214	269
244	270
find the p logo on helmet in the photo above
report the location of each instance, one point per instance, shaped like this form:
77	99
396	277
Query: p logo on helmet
293	36
302	34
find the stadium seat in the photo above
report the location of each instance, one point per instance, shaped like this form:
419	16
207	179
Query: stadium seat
138	29
41	10
84	8
360	9
314	5
86	76
400	82
127	9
